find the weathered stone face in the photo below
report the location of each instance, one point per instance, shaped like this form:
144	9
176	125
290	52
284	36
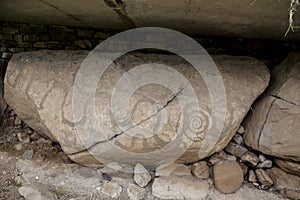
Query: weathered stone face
39	86
273	125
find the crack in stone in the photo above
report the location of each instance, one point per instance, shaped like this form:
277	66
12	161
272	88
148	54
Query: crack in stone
175	96
153	115
277	97
59	10
265	122
120	9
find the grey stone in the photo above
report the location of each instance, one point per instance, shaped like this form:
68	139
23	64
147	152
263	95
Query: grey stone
47	107
135	192
262	158
265	164
27	155
277	114
200	170
112	189
141	175
251	158
6	55
36	193
263	177
235	149
228	176
180	188
241	129
287	184
173	169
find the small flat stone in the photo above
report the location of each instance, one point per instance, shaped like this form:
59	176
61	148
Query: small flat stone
135	192
235	149
200	170
27	155
221	156
173	169
251	158
141	175
180	188
252	177
263	177
228	176
112	189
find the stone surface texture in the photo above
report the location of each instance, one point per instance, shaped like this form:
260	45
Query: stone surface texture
273	125
38	86
287	184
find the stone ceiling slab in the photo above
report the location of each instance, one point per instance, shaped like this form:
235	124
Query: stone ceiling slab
236	18
90	13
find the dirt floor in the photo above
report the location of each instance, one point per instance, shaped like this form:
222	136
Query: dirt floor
50	167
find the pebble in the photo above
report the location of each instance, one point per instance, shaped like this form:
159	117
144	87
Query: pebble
228	176
262	158
235	149
252	177
112	189
241	130
27	155
35	136
135	192
23	137
18	146
200	170
141	175
263	177
172	170
265	164
244	168
17	121
238	139
250	158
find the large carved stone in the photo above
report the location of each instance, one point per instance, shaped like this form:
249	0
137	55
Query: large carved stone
274	123
39	86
